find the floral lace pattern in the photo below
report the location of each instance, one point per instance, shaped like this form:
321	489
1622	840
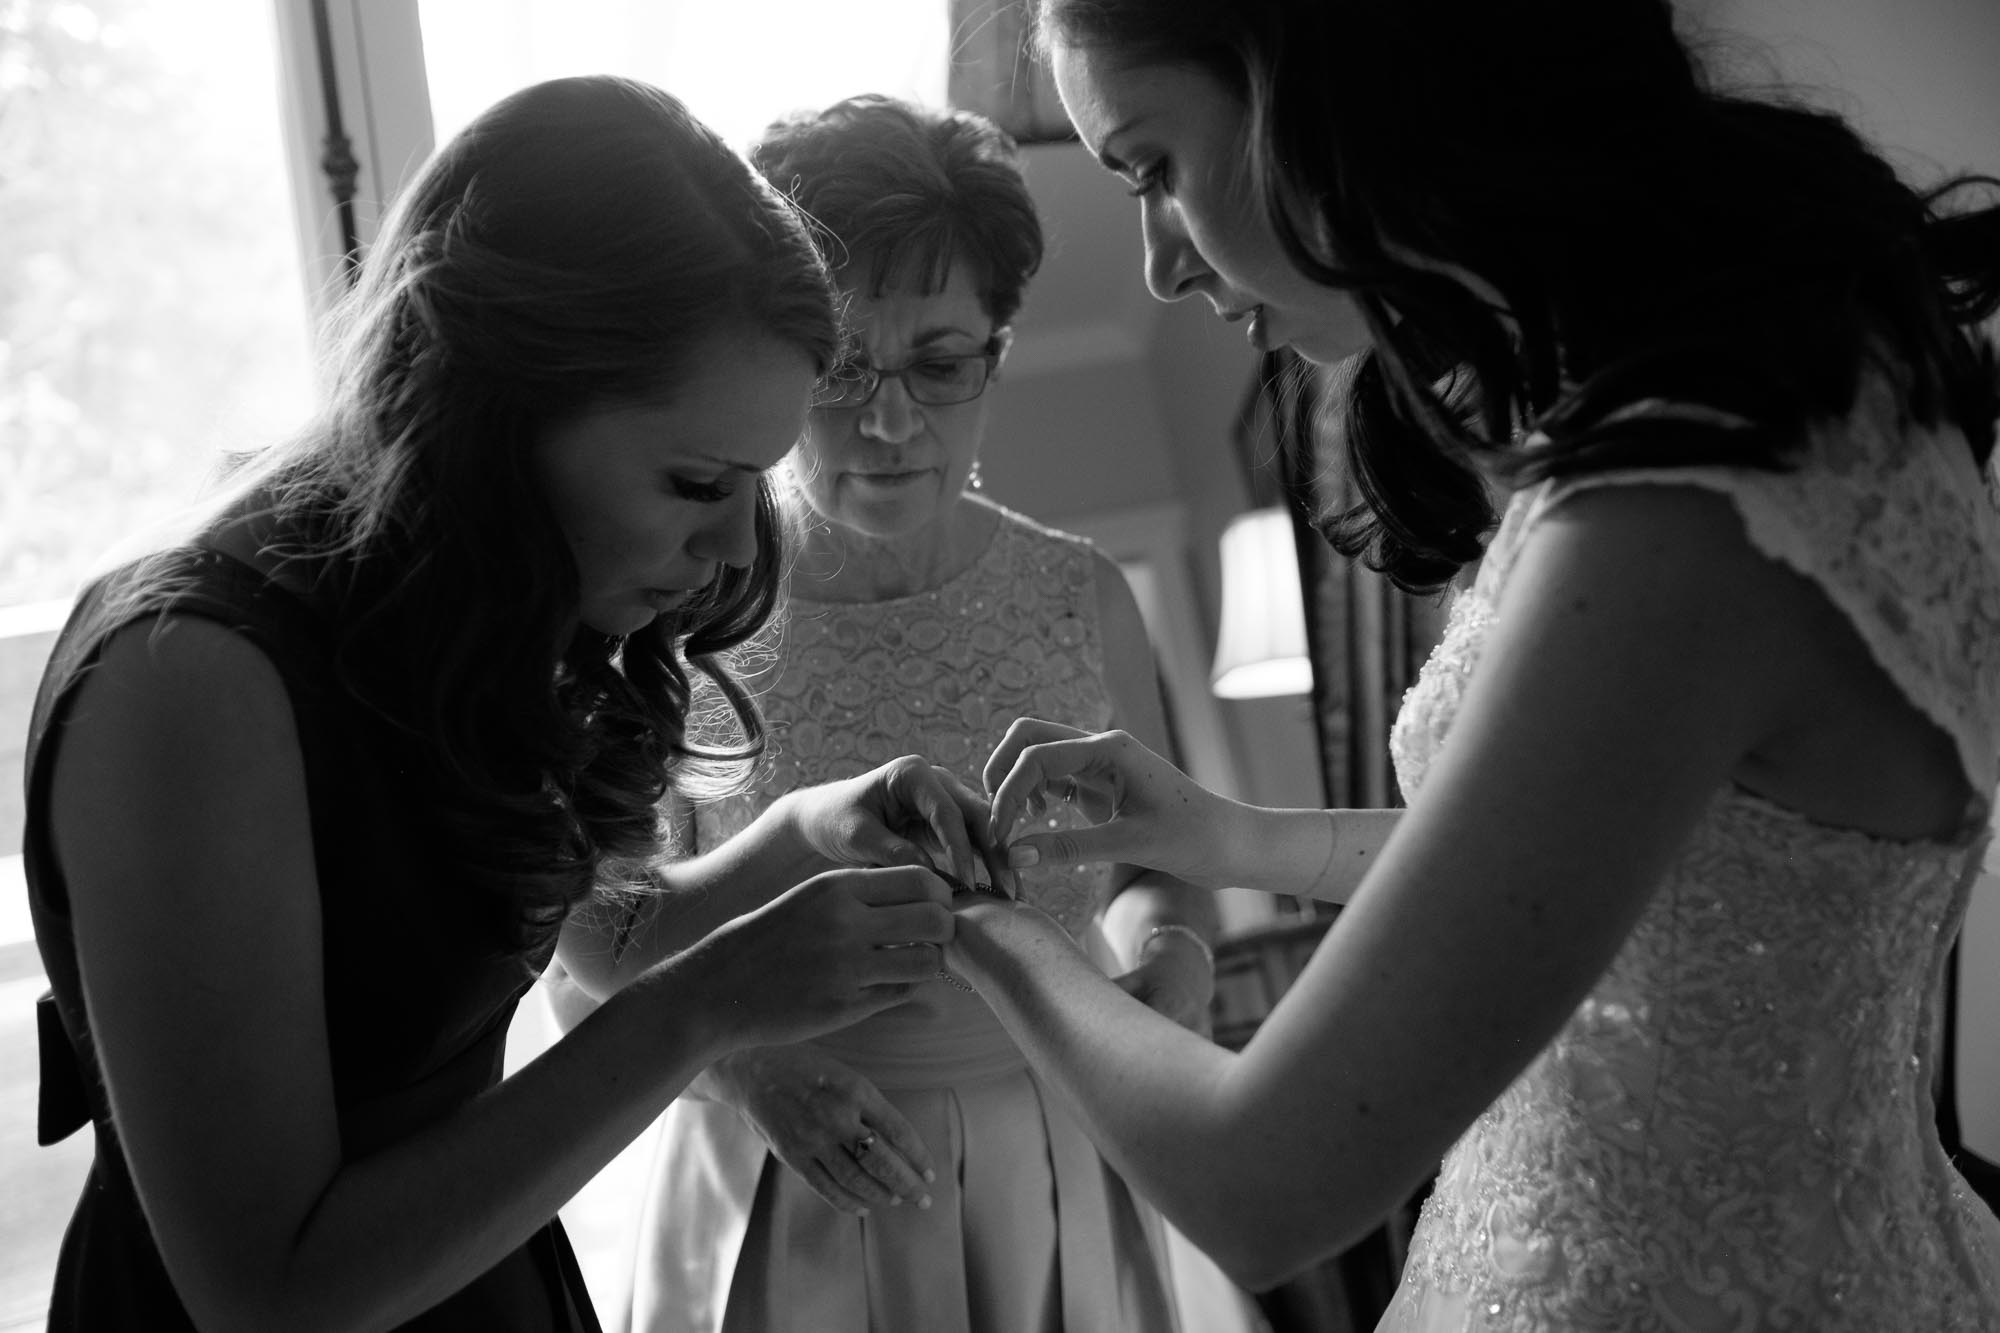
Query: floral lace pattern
941	674
1735	1129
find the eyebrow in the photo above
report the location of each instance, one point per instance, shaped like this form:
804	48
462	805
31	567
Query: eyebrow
930	337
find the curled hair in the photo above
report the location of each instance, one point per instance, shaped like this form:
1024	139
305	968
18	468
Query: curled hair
584	243
911	190
1545	212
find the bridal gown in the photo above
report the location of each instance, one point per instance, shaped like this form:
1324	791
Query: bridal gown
1735	1130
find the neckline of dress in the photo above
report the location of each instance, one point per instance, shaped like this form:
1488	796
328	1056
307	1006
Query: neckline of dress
1001	530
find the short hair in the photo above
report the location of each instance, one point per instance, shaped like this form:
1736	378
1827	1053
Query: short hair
910	190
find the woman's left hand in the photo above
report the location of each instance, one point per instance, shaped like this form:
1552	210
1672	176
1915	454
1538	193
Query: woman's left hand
827	1123
906	812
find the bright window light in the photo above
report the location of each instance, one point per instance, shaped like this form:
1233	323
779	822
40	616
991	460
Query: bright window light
738	65
152	307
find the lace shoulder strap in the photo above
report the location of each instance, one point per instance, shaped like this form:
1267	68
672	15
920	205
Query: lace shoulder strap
1897	527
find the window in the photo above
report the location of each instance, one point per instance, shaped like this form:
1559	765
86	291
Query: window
153	313
737	66
151	299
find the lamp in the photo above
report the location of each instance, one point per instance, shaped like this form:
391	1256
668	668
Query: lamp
1261	650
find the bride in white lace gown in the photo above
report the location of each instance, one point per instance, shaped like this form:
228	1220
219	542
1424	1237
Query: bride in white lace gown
1703	769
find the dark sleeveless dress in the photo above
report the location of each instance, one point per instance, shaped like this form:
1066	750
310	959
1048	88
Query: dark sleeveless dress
418	992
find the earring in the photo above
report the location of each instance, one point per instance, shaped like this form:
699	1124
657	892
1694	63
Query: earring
973	480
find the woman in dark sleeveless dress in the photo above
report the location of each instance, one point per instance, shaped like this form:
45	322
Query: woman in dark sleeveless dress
314	791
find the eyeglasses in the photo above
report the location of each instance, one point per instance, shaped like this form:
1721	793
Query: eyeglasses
935	381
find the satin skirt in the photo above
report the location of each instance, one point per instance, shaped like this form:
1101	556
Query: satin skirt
1029	1231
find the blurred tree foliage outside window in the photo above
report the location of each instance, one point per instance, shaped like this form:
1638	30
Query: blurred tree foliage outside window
152	308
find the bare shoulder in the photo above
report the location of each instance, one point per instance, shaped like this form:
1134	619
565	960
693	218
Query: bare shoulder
1115	601
1664	559
1658	589
179	720
174	672
1670	531
1131	673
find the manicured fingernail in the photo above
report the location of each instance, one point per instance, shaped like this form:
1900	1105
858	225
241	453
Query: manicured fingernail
896	1202
929	1176
924	1202
1020	857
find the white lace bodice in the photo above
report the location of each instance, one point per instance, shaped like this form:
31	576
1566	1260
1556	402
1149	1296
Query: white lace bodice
1735	1130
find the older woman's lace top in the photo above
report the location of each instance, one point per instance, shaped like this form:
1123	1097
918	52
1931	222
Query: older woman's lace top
1029	1226
941	674
1735	1130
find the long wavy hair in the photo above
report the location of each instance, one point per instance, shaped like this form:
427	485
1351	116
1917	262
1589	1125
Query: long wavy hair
1647	235
580	244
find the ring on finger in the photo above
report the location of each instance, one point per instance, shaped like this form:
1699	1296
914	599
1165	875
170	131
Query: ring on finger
861	1145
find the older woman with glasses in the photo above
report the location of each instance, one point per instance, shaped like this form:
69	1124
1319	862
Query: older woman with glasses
910	1173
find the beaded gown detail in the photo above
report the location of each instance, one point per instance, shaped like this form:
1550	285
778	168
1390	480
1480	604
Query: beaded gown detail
1030	1231
1735	1129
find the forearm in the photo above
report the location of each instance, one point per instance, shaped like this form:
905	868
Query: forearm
609	943
1356	841
1178	1116
402	1228
1150	1093
1306	853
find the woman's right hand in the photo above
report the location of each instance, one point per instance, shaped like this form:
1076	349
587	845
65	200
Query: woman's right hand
827	1123
1142	810
905	812
824	954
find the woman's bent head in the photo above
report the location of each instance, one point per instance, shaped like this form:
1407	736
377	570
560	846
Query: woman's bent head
1544	211
583	256
934	237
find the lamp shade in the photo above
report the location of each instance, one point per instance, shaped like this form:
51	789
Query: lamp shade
1261	650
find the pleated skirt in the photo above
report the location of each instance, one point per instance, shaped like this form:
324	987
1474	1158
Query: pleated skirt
1029	1230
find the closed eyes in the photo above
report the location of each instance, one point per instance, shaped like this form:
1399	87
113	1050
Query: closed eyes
701	492
1149	179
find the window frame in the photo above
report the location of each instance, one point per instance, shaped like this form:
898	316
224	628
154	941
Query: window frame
362	60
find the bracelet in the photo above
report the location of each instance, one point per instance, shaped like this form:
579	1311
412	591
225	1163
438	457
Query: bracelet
1178	929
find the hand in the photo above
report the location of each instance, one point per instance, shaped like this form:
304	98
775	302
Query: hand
1143	810
907	812
1175	978
828	1124
826	953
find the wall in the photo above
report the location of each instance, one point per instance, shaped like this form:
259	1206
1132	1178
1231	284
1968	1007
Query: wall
1917	76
